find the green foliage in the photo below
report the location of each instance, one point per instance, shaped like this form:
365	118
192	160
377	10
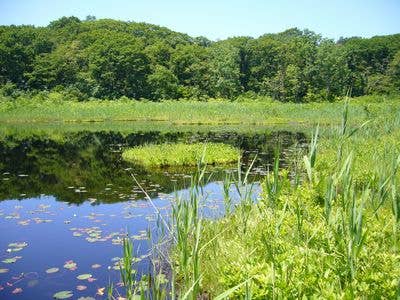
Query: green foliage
119	67
110	59
225	68
180	154
163	83
394	71
333	235
63	106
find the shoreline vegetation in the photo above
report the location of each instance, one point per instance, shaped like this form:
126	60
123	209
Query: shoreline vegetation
327	226
52	108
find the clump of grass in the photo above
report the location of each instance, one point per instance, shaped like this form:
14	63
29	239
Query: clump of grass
180	154
152	286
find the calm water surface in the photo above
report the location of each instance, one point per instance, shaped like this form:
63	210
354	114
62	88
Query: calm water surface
67	200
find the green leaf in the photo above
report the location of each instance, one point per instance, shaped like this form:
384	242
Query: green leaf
18	245
84	276
63	295
70	265
52	270
11	260
225	294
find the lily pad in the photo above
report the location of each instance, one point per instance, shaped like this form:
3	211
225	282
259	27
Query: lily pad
14	247
63	295
2	271
18	245
81	287
52	270
11	260
70	265
86	298
84	276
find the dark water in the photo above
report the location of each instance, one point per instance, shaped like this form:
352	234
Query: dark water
69	198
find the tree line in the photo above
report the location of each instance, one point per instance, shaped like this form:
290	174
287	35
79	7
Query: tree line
111	59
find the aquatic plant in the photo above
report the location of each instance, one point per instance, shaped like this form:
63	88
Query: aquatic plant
180	154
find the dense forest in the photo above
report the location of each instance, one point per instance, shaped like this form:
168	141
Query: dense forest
111	59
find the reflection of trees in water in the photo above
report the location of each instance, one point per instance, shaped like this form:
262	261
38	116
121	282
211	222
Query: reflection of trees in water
88	165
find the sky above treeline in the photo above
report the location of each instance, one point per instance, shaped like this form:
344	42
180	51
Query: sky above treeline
219	19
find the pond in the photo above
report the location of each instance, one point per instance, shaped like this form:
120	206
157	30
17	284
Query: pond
67	199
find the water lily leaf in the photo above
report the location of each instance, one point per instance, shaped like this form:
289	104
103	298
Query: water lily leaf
14	249
18	245
63	295
2	271
70	265
11	260
86	298
81	287
84	276
52	270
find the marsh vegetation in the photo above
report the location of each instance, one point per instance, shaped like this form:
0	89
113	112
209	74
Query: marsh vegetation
326	226
177	155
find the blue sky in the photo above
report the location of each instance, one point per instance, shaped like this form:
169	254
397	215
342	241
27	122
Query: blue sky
218	19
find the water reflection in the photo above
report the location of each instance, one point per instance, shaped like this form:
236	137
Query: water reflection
88	165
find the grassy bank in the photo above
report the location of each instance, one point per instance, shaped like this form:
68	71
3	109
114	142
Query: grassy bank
326	227
179	154
53	108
